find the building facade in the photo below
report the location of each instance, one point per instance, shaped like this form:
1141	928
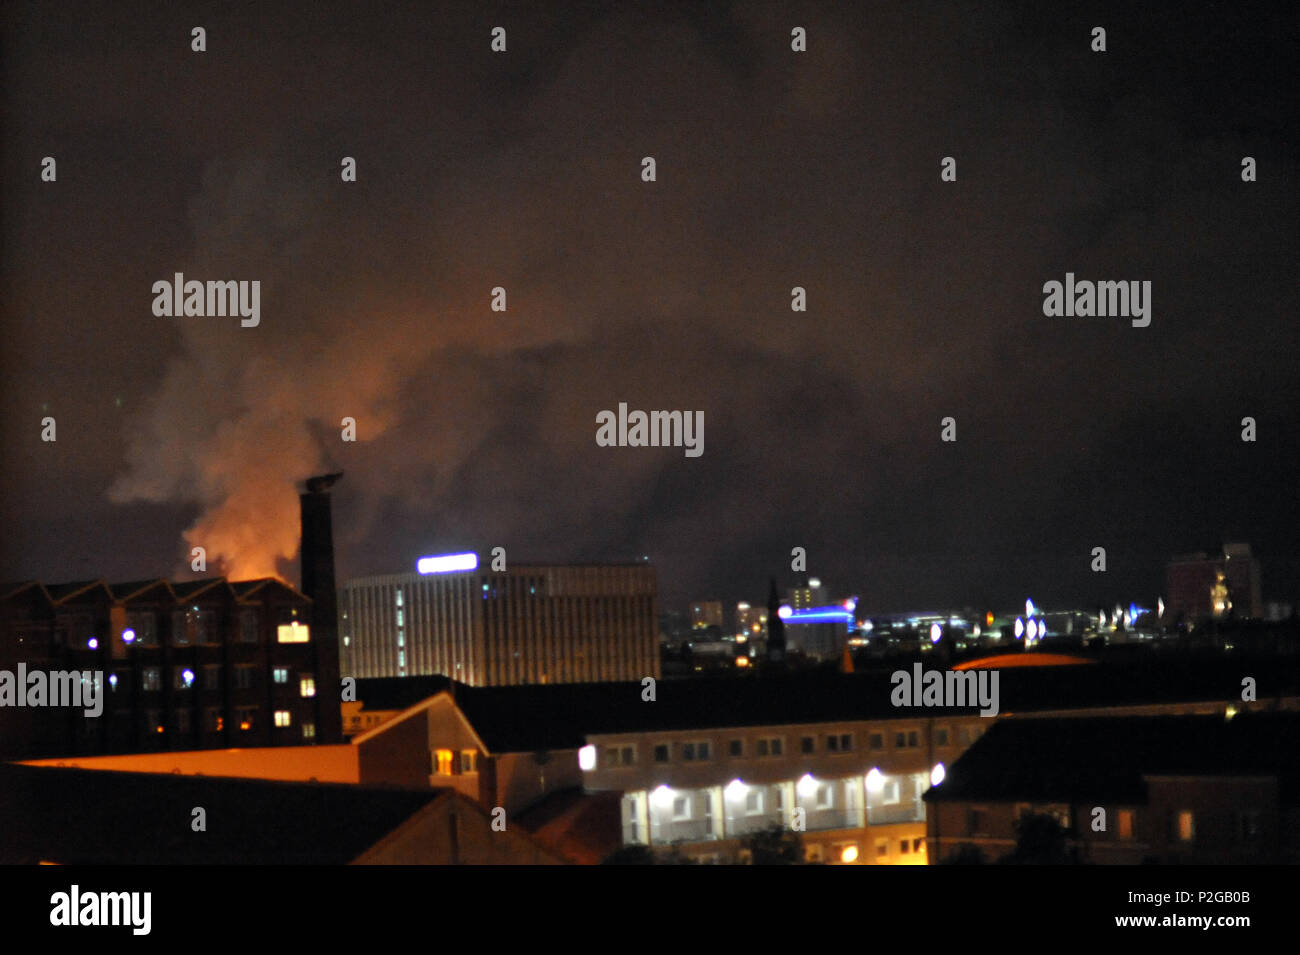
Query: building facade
192	665
1191	580
530	624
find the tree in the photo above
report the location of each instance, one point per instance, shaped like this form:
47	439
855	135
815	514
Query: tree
965	855
775	845
1040	840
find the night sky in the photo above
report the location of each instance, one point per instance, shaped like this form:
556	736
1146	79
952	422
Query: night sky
775	169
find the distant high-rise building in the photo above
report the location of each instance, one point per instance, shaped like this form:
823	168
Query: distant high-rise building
530	624
751	622
811	594
706	613
1191	582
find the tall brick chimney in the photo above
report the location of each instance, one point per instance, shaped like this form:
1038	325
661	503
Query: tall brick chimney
318	584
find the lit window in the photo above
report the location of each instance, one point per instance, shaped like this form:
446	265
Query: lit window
244	717
308	730
151	678
307	685
280	675
293	632
468	761
281	717
1126	823
443	757
1186	826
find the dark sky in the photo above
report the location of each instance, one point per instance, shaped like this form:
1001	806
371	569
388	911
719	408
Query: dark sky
775	169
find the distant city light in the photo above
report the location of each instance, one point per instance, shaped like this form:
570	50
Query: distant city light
742	662
937	774
936	633
1160	607
1031	630
814	582
851	603
447	563
1029	608
587	758
1020	628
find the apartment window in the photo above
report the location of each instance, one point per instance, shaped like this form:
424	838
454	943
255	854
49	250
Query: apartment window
877	740
468	761
308	730
736	747
904	846
882	848
913	739
247	626
754	802
941	737
661	753
211	676
306	685
963	735
281	717
807	744
245	717
900	740
832	744
1126	824
442	761
181	718
841	743
182	678
975	822
213	721
681	809
151	679
292	632
769	746
280	674
890	793
144	623
244	677
1250	826
692	752
813	853
825	797
153	721
1186	826
918	845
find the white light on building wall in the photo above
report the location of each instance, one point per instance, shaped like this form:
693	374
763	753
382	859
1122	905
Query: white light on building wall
662	797
784	611
92	643
128	636
849	854
736	790
447	563
807	786
936	633
587	758
875	780
937	774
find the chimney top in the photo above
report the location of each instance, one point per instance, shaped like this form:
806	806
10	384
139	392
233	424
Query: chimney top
322	482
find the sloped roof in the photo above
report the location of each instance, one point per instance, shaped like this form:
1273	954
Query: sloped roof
95	817
1106	758
562	715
